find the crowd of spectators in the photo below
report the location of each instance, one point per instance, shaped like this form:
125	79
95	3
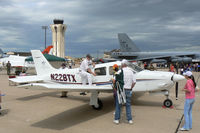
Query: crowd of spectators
195	67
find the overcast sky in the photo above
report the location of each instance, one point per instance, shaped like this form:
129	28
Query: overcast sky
92	25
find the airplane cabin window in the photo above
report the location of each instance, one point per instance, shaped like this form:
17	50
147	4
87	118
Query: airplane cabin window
111	71
100	71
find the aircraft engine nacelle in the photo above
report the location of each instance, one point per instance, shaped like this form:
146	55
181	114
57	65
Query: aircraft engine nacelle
158	61
182	59
196	59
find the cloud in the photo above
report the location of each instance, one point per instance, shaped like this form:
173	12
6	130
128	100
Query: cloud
184	28
93	25
11	35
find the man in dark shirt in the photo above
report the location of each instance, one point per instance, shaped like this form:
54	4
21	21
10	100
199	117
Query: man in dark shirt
8	65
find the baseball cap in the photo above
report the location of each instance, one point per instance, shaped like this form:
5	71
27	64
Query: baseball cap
115	66
124	61
188	73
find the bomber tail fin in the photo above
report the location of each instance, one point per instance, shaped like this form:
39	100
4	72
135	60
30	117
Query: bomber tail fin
126	44
1	53
42	66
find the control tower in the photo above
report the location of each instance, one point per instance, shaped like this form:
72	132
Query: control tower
58	37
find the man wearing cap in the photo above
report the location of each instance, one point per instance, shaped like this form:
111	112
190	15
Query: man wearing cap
85	70
118	83
129	82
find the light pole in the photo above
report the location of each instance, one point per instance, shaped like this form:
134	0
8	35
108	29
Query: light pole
45	32
56	41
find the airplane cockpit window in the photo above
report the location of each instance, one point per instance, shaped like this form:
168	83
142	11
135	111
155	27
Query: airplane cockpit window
111	71
135	67
100	71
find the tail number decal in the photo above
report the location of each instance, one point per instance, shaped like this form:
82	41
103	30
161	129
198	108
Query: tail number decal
63	77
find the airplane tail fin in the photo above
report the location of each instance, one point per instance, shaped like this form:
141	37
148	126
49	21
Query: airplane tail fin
48	50
42	66
126	44
1	53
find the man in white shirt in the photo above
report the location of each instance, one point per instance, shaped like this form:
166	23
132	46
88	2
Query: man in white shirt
85	70
129	82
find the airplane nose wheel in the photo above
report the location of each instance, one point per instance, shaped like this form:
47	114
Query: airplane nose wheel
99	106
168	103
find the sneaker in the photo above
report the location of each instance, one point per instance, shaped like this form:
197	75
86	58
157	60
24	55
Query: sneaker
130	122
183	129
116	121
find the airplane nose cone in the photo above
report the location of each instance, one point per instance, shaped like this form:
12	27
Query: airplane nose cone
177	77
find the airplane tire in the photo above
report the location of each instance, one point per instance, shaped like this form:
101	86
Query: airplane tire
100	105
168	103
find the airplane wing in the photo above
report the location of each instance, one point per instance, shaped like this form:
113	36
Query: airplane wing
163	57
67	87
26	79
176	57
104	60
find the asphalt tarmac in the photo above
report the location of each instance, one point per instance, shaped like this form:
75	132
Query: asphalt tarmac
43	111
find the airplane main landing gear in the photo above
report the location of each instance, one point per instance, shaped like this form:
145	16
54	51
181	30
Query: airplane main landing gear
167	103
99	106
95	102
64	94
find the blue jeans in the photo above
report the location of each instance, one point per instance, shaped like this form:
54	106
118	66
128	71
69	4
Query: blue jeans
188	113
128	106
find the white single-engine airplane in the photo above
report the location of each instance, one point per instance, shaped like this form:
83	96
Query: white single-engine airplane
70	80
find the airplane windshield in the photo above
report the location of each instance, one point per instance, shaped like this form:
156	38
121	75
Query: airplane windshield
135	67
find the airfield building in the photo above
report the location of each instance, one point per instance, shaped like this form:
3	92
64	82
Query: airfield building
58	37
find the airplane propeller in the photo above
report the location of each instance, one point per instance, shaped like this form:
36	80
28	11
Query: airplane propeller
176	91
176	78
176	86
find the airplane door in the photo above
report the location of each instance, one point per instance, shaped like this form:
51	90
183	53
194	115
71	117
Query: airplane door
100	74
